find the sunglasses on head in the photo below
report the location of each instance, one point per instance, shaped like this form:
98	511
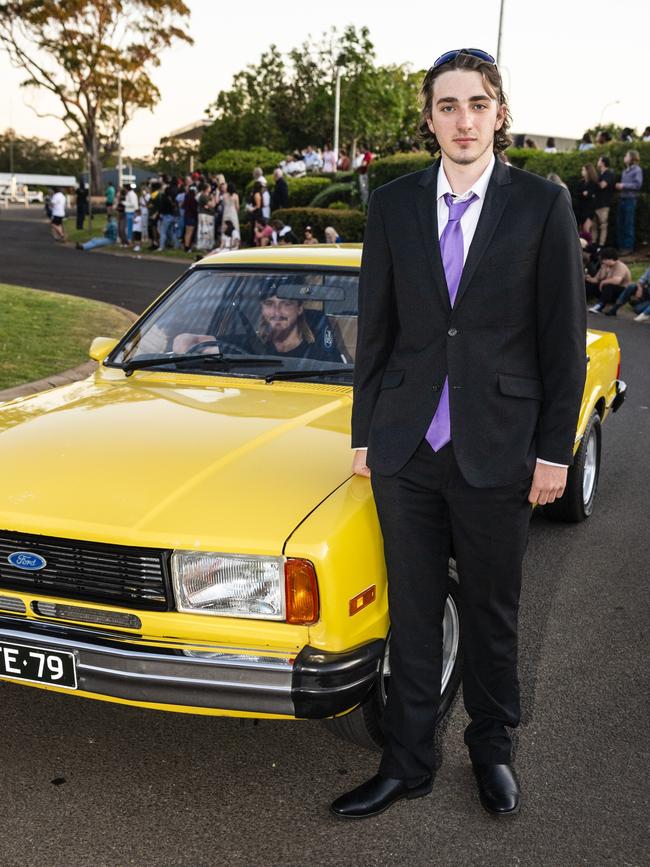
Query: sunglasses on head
452	55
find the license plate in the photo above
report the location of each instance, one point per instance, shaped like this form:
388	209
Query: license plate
36	665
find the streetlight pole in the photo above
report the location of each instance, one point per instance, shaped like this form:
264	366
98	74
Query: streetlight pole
501	5
119	131
337	110
602	114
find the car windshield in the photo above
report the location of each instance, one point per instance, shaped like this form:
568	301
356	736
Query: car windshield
306	319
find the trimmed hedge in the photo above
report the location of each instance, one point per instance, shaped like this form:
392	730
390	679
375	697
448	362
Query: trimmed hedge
566	164
386	169
303	190
238	165
333	193
349	224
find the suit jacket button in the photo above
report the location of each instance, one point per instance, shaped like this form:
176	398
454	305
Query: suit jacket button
452	332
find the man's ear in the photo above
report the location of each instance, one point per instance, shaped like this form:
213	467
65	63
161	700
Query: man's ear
430	125
501	116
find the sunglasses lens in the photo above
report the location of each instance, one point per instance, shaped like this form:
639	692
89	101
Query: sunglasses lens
452	55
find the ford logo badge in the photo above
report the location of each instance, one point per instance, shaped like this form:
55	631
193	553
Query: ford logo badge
26	561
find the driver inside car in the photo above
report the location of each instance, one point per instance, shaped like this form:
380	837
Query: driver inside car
284	330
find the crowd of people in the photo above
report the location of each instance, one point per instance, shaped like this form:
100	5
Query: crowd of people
202	212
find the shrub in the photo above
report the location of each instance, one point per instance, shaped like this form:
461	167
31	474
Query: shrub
333	193
388	168
566	164
238	165
303	190
349	224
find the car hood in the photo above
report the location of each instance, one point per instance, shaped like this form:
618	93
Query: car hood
231	465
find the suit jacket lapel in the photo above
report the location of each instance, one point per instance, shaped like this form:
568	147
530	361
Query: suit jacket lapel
496	199
427	212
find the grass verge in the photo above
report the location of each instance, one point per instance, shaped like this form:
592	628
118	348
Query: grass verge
44	333
75	236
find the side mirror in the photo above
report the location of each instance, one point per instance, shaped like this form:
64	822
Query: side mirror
101	347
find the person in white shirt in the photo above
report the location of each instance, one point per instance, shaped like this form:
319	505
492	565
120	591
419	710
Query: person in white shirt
131	205
266	201
57	204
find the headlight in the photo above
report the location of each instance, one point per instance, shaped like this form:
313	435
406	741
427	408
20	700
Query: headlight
227	584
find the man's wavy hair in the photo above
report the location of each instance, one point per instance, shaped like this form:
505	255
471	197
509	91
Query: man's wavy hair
492	80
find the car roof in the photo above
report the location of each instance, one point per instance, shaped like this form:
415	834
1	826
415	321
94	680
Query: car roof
317	255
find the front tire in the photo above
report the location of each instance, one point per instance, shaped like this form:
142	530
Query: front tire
362	726
577	502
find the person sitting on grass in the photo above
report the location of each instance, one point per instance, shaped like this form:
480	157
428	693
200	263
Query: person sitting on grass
606	285
109	237
637	294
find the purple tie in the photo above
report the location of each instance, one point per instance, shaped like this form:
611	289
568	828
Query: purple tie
452	252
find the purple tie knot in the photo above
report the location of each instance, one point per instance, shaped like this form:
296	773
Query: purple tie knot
457	209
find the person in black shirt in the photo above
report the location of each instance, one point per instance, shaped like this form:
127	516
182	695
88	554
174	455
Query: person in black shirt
285	331
604	195
586	193
82	204
280	194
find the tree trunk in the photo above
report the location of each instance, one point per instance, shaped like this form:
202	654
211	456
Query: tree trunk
96	180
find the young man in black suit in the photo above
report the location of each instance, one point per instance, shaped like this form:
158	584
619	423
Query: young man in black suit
469	374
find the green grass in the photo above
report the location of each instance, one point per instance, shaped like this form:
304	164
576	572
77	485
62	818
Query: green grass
43	333
75	235
637	268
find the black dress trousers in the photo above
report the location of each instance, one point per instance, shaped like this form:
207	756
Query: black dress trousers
423	510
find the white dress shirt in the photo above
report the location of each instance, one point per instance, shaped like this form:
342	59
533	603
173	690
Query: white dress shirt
469	220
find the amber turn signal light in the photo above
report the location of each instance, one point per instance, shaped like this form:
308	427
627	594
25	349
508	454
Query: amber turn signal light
301	591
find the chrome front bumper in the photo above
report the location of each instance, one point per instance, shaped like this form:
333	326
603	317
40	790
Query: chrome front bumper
312	684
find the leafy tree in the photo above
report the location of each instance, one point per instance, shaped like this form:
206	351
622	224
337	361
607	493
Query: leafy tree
173	156
287	103
77	49
23	154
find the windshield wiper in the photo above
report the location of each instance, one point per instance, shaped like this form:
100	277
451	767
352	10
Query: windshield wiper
306	374
198	360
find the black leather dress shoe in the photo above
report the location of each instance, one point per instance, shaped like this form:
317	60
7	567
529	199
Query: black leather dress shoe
377	794
498	789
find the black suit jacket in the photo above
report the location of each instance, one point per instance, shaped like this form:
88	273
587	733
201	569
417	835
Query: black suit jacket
513	346
280	195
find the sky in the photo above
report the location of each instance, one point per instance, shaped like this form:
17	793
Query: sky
566	65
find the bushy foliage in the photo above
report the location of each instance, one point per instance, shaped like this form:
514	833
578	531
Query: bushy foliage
333	193
349	224
285	101
303	190
37	156
566	164
238	165
386	169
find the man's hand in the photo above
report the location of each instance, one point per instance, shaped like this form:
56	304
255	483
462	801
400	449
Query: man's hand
359	467
548	484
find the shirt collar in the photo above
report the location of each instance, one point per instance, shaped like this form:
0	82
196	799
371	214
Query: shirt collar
478	187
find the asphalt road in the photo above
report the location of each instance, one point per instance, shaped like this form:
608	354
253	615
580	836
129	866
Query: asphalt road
92	783
30	257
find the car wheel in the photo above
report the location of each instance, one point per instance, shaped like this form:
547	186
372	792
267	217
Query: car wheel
362	726
577	502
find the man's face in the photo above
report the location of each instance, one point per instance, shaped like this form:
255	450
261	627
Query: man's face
601	166
464	115
609	263
281	315
627	159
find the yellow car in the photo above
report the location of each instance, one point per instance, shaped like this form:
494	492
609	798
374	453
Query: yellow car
182	531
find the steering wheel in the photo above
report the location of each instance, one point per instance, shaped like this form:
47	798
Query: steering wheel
225	346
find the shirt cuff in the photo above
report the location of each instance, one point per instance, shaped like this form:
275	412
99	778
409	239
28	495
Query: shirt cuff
551	464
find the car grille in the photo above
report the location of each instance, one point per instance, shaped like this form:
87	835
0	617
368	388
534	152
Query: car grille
113	574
